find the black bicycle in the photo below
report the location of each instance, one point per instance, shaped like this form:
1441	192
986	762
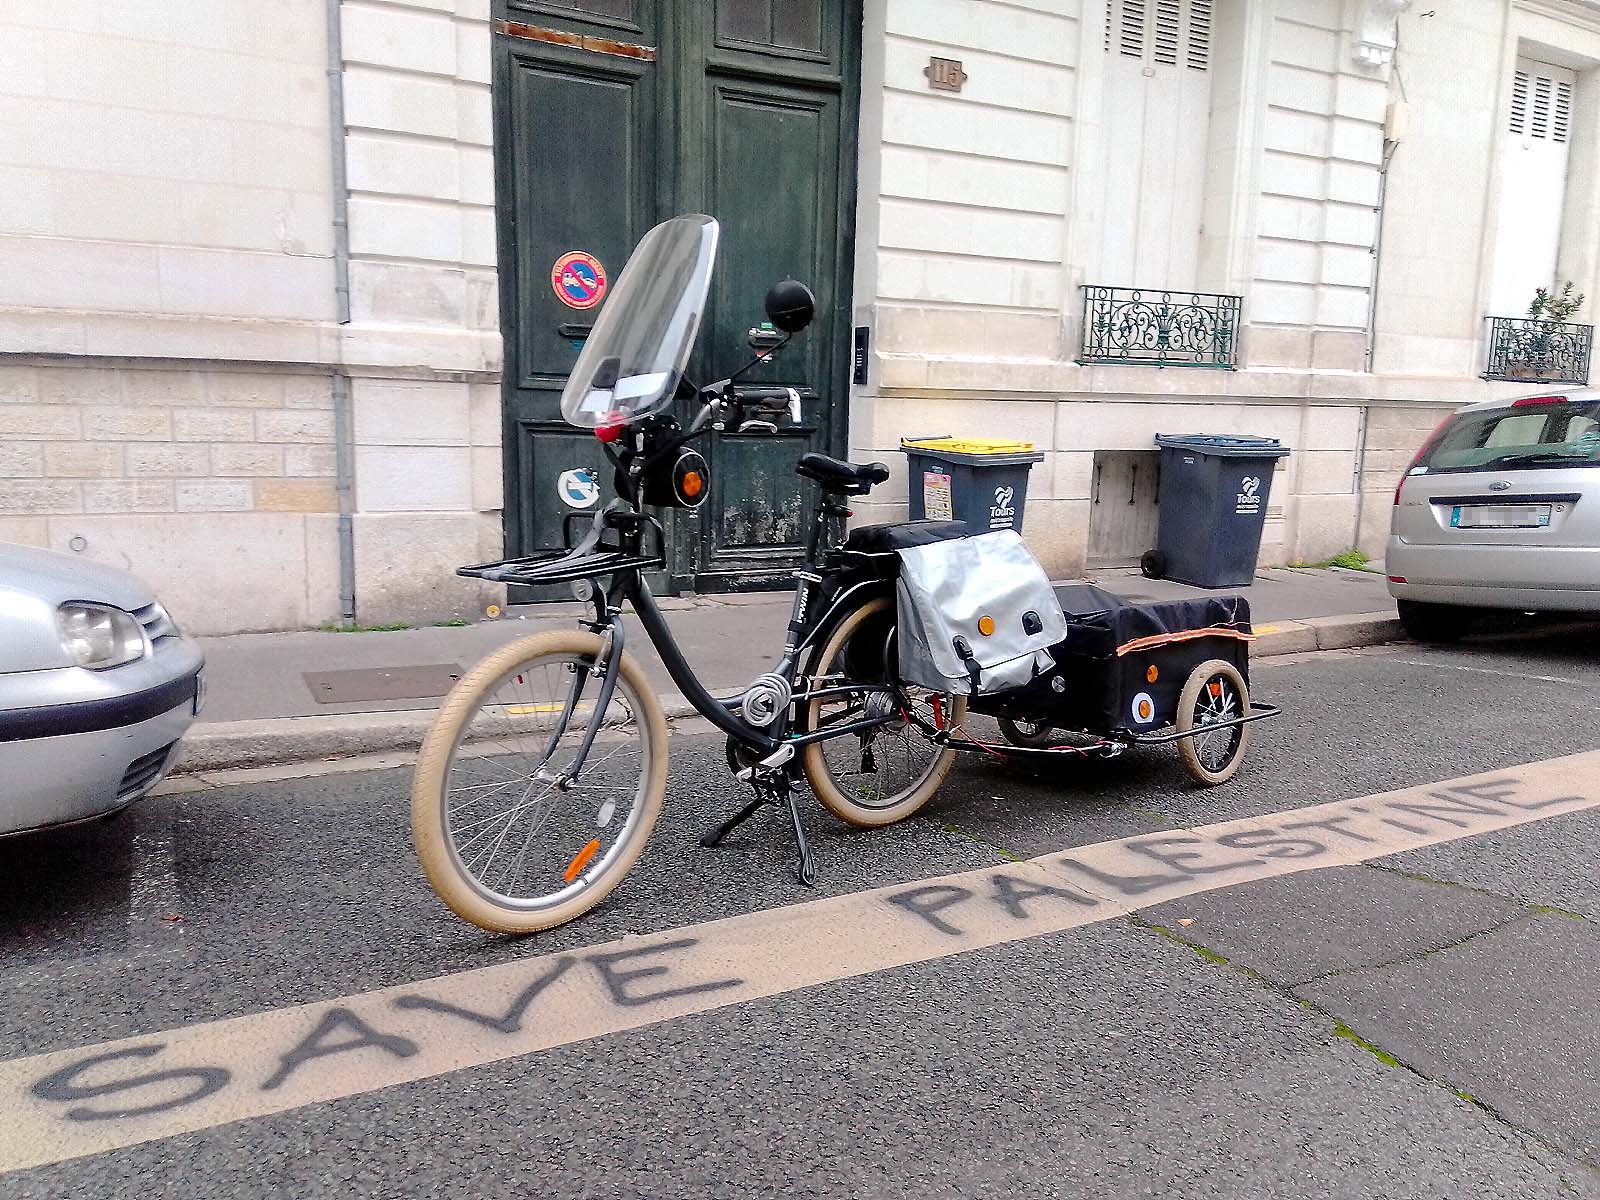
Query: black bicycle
542	778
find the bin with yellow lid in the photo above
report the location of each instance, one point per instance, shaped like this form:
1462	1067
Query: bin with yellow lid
982	481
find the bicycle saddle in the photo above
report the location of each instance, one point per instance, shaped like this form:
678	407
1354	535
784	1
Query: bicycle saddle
835	475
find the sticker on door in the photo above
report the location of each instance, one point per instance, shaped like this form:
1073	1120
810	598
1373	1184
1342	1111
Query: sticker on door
578	279
579	488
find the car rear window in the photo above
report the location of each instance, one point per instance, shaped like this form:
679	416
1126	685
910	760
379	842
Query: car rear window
1522	437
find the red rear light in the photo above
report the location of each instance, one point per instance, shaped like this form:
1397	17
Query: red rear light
1533	401
1423	451
609	433
1397	579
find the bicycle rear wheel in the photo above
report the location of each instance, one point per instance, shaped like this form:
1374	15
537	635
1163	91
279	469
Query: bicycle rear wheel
886	774
505	837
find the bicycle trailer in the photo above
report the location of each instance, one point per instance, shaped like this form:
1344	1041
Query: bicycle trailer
976	618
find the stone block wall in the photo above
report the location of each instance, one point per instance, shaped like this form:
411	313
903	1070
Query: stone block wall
215	485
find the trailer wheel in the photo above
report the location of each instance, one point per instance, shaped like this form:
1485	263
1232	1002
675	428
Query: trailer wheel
1214	691
1030	734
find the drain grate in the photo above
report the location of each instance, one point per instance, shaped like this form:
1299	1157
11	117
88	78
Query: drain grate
382	683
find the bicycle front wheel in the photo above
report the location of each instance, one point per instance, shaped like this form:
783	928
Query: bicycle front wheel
506	836
887	773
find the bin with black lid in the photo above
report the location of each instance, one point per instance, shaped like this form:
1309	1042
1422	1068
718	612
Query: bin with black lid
1212	504
982	481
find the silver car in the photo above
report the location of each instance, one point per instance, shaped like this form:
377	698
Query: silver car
1500	509
97	687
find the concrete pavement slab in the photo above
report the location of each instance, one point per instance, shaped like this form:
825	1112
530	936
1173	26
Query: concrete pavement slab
1508	1016
1292	930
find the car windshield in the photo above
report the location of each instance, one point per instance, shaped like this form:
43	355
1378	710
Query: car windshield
1524	436
632	361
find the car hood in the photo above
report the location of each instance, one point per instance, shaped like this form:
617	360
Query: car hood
33	583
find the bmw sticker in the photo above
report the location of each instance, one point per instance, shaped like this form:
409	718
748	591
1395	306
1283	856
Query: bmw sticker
1144	709
579	488
578	279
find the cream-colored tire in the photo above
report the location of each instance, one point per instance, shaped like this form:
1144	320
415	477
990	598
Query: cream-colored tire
1214	758
825	762
453	732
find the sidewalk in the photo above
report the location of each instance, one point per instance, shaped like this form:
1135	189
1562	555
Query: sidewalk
281	697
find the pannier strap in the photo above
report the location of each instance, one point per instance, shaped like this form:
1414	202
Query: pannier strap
1187	635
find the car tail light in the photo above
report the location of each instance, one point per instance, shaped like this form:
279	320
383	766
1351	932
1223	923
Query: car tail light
1397	579
1534	401
1423	451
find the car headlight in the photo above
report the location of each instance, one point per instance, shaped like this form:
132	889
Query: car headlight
99	636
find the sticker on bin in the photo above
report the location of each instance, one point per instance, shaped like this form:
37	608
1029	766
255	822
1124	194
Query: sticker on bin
1249	499
936	496
1003	513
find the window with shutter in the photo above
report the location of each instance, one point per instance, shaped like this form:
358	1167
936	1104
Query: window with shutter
1163	33
1541	102
1532	184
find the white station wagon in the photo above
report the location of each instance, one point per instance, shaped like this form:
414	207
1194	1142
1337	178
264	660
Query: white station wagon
1500	509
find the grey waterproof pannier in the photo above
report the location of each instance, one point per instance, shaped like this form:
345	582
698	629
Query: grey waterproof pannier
976	615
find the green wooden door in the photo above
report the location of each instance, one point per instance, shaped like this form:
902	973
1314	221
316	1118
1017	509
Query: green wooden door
615	114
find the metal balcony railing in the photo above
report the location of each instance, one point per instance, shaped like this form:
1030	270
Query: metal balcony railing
1529	350
1143	327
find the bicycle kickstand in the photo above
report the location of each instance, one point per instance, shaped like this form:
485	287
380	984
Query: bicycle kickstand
807	868
715	837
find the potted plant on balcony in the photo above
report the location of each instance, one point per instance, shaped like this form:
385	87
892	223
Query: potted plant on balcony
1540	345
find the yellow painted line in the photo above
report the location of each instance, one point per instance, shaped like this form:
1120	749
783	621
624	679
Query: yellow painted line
83	1101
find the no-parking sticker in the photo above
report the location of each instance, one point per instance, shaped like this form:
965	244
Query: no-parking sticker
578	279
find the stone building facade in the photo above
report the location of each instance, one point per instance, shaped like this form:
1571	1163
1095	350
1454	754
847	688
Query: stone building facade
250	325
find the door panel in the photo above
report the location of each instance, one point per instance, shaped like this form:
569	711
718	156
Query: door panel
599	203
769	144
1122	506
581	175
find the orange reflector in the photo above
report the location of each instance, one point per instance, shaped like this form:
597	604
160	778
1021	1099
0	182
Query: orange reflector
692	483
581	861
1216	687
1153	674
986	626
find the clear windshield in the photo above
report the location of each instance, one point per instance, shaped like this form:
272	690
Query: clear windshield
631	363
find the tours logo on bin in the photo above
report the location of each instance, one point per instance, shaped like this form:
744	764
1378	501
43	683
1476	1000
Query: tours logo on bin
1002	513
1249	498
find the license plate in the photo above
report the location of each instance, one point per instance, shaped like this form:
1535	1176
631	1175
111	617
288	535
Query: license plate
1500	516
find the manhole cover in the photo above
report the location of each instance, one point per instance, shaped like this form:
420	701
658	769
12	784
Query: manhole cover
382	683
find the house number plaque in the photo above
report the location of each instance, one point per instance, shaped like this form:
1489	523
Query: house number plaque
945	74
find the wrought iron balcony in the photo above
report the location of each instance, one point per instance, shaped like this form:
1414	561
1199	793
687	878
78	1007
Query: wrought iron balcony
1143	327
1530	350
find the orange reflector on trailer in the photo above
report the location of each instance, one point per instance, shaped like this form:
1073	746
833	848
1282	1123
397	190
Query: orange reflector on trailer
581	861
1152	674
986	626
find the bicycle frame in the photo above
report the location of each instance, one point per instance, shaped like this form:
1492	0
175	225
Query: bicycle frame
826	587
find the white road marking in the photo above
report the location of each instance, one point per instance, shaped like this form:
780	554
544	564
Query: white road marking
91	1099
1583	683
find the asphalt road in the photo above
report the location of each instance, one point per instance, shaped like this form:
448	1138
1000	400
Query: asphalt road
1422	1024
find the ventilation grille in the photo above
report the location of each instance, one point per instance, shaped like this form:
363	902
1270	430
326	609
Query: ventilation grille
1165	33
1541	103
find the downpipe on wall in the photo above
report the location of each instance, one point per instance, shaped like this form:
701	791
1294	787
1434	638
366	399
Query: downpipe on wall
343	421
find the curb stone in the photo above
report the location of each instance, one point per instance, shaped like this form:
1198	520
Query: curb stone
273	741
